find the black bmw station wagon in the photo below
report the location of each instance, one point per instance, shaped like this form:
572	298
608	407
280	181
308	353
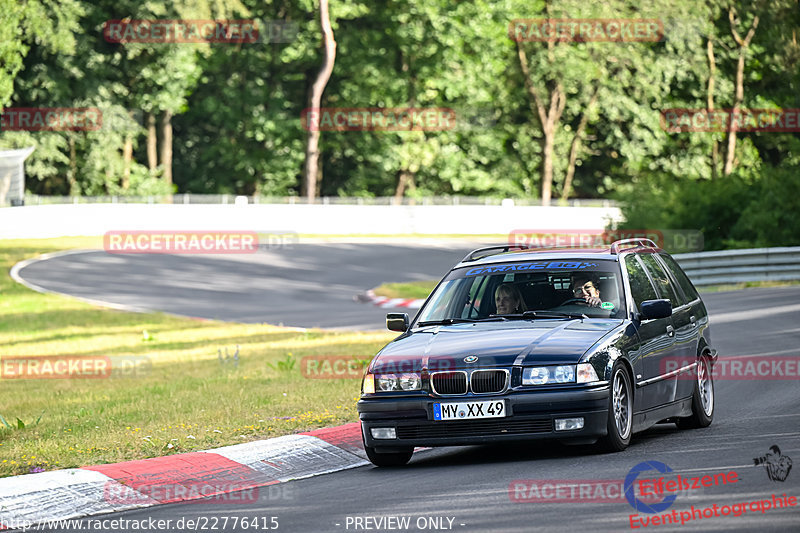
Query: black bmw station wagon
581	345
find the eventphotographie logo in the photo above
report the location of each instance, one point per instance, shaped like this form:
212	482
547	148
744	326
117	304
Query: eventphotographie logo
642	505
778	466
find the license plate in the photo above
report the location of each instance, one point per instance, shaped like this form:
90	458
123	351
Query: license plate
469	410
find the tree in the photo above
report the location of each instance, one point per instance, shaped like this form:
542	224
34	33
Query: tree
315	98
50	23
743	44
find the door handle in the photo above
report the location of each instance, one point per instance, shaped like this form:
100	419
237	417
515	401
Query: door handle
670	331
693	320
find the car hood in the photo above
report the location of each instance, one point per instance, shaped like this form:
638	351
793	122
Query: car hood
494	344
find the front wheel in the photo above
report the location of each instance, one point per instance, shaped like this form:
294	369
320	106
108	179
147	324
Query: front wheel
620	411
390	458
702	399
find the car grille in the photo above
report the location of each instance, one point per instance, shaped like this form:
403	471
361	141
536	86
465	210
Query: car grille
449	382
474	428
488	381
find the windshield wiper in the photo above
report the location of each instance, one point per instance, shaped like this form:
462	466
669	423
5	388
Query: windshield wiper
449	321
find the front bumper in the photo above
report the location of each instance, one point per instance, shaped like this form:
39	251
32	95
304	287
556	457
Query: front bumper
531	415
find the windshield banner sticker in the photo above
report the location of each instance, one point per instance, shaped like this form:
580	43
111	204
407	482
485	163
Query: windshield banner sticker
558	265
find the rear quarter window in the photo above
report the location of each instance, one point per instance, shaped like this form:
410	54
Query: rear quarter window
641	288
660	278
680	276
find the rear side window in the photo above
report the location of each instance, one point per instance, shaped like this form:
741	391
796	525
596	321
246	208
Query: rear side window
641	288
680	276
661	280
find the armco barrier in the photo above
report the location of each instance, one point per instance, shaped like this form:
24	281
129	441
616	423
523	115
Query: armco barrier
736	266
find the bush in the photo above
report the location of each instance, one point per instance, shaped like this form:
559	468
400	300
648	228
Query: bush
732	212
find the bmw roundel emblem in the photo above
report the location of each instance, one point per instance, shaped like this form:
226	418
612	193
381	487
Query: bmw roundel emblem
470	358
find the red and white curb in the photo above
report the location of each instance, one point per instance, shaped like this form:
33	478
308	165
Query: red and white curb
391	303
236	471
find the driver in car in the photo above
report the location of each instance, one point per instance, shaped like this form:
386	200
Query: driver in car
585	286
508	300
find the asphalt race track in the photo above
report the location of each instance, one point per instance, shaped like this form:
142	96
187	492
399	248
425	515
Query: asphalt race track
304	285
467	489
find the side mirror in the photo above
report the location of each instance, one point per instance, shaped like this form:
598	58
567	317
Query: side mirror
652	309
397	321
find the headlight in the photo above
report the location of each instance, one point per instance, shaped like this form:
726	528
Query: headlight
410	382
565	374
395	382
386	382
541	375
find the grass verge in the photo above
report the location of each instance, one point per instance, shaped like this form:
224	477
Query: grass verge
183	399
412	289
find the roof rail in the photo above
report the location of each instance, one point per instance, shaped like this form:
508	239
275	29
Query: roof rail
502	247
647	243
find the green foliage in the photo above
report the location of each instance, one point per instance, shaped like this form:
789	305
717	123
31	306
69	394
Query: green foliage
235	108
770	219
19	423
287	364
732	212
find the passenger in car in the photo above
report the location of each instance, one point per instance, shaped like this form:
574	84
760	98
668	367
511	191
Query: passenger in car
585	285
508	300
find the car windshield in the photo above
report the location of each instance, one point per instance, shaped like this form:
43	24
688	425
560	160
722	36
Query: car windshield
527	290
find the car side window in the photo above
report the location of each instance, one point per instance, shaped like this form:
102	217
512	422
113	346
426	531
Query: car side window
663	284
641	288
476	292
680	276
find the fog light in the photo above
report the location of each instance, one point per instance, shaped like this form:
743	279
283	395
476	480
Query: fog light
565	424
390	433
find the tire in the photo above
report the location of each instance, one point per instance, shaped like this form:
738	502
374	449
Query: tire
390	458
702	398
620	411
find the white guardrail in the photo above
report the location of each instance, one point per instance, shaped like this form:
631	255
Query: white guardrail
47	221
737	266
